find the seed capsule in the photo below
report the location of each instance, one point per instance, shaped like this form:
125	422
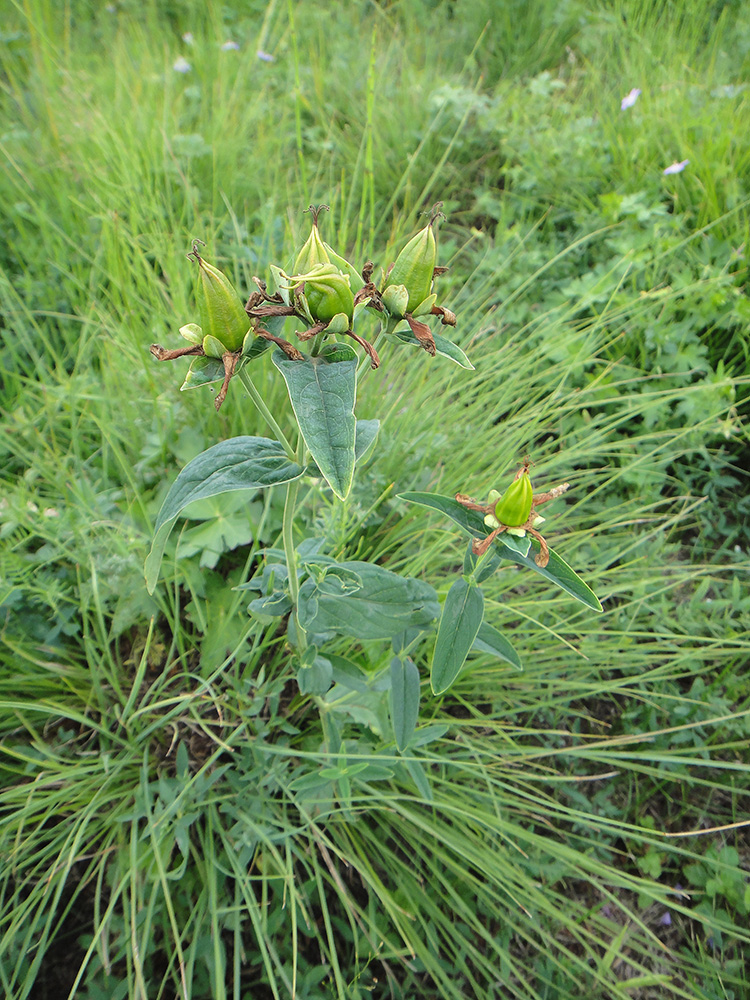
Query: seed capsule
327	293
314	251
355	278
223	315
514	506
414	267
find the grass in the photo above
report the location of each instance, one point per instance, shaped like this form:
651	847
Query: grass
175	822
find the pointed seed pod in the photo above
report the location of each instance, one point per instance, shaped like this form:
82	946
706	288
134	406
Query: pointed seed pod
314	251
514	506
223	315
355	278
414	267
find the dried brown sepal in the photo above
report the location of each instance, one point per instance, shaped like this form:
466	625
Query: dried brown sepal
289	349
254	299
230	359
542	557
367	272
438	270
447	318
263	289
435	212
553	494
372	353
271	310
369	291
480	545
311	332
162	354
422	332
471	504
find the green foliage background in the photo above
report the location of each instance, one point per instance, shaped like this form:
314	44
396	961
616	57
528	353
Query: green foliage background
172	822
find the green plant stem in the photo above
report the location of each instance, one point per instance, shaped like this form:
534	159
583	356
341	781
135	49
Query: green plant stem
266	413
292	492
287	534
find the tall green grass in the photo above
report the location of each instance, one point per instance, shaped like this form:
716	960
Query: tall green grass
173	824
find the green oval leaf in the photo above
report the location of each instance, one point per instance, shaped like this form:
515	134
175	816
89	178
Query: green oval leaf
385	605
404	700
322	391
490	640
556	571
459	624
241	463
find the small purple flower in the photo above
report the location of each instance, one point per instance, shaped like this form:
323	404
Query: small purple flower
665	919
676	168
230	46
181	65
629	100
264	56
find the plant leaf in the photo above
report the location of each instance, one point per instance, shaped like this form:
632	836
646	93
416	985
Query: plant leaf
322	391
275	605
366	435
459	624
443	346
491	640
316	678
241	463
384	606
419	777
404	700
556	571
202	371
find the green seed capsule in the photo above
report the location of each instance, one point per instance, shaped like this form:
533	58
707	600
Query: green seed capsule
355	278
314	252
514	506
223	315
414	267
327	293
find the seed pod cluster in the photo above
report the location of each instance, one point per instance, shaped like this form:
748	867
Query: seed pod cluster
324	290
